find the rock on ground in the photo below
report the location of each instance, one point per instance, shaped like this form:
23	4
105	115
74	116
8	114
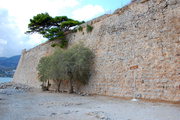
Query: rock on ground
20	102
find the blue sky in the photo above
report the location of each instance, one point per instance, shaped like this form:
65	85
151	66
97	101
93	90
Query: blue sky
108	4
15	15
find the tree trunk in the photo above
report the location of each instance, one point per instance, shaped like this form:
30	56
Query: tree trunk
48	85
59	84
71	85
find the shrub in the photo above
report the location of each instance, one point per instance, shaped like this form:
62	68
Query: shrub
63	43
89	28
74	30
80	28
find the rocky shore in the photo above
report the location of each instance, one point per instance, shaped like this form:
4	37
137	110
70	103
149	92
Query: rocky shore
12	88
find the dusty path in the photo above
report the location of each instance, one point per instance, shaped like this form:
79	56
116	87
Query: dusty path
19	105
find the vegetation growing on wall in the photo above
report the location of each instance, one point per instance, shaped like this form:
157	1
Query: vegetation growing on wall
72	64
89	28
80	28
52	27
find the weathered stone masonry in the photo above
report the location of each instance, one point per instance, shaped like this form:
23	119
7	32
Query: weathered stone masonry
145	33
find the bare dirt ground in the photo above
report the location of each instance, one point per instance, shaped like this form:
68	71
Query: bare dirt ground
21	103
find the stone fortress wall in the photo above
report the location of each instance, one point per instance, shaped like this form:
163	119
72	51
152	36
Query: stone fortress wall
144	34
26	72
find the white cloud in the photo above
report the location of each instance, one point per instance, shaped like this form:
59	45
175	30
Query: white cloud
35	39
15	15
23	10
1	51
12	41
14	19
3	42
87	12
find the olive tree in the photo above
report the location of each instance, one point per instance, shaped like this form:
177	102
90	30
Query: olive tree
57	70
43	72
72	64
76	63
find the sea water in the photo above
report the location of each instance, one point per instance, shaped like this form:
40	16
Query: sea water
5	79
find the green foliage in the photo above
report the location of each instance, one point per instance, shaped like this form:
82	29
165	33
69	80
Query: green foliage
80	28
43	71
77	62
40	23
82	22
89	28
66	25
63	44
54	33
72	64
56	71
74	30
52	28
54	44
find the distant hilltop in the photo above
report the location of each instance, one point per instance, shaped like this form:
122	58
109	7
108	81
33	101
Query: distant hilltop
8	65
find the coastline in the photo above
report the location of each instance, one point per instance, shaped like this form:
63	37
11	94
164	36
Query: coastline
5	79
